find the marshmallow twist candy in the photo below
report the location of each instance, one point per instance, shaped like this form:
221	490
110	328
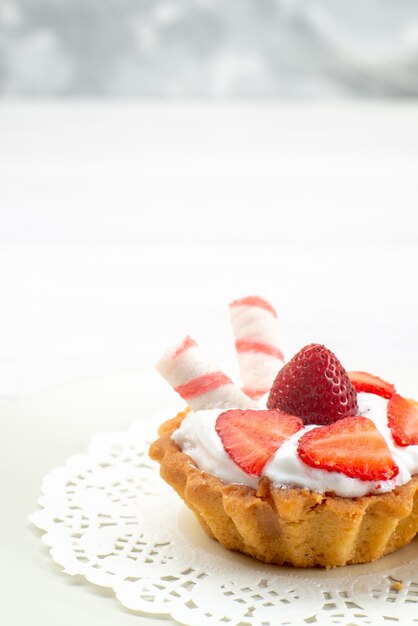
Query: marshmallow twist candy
201	384
256	330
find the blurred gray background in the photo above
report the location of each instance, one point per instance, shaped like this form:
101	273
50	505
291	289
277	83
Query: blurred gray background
194	48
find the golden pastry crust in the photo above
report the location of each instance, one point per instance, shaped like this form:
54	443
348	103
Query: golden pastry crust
291	526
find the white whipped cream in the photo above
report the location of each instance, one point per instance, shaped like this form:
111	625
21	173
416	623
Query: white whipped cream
198	438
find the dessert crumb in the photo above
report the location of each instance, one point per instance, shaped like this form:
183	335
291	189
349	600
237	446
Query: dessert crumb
397	585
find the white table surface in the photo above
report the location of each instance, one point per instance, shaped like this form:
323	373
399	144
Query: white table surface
38	434
125	226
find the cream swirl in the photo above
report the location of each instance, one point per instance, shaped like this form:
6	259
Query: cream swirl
198	438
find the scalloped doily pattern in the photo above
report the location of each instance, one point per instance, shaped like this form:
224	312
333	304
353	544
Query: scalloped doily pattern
108	516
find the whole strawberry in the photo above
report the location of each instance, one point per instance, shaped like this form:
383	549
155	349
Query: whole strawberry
314	386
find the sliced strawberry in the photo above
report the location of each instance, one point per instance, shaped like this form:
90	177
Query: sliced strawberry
363	381
403	420
352	446
315	386
251	437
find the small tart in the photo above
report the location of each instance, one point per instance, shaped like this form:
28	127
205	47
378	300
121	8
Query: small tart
289	526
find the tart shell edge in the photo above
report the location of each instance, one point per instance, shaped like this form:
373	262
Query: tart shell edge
289	526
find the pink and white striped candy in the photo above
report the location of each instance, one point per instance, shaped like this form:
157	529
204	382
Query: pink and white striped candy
201	384
256	332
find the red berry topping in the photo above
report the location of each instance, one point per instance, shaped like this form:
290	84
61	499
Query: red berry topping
403	420
352	446
251	437
363	381
315	386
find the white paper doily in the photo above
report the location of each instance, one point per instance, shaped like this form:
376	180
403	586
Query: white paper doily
108	516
